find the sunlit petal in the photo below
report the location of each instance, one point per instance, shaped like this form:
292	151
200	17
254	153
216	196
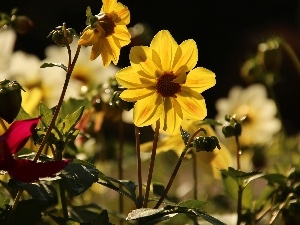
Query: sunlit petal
165	45
129	78
89	37
186	57
145	60
108	5
200	79
147	110
192	104
132	95
123	13
171	116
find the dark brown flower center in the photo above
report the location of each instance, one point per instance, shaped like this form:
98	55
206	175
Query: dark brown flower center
107	24
166	87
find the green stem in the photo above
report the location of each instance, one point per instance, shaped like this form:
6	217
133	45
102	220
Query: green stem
195	175
238	153
151	166
239	205
120	165
63	199
177	168
59	104
139	167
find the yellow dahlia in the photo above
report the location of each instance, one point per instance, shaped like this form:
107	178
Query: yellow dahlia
107	32
162	81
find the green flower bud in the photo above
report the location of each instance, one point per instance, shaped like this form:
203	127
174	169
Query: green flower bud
228	131
206	143
62	37
10	99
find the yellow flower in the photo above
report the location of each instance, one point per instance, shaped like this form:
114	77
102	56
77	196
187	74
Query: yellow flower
210	162
108	33
157	79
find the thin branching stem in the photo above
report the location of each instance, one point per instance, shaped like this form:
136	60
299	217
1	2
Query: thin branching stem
139	166
177	167
151	166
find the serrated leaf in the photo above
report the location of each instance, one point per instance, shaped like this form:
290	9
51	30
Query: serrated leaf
79	178
142	212
102	219
242	178
71	120
192	204
72	104
46	114
209	218
231	188
211	122
4	201
22	115
42	193
45	65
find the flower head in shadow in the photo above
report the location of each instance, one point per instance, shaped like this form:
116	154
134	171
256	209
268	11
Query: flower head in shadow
164	83
23	169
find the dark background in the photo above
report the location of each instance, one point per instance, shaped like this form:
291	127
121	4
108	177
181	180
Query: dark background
226	32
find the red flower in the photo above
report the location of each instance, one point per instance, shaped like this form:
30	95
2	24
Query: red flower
23	169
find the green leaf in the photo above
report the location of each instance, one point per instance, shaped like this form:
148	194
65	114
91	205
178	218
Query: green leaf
45	65
242	178
192	204
143	212
42	193
78	177
211	122
46	114
276	178
209	218
231	188
158	189
4	201
71	120
102	219
23	115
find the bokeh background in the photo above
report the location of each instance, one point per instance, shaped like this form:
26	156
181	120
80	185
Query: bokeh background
226	32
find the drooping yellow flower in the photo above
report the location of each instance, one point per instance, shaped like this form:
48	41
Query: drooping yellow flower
210	162
162	80
107	32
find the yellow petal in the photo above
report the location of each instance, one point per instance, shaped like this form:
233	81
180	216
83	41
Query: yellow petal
129	78
115	49
166	144
171	116
186	57
123	14
165	45
96	50
145	60
122	34
192	104
89	37
132	95
200	79
108	5
147	110
106	52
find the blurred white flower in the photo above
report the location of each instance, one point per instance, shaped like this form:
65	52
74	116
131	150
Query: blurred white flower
261	122
86	72
7	43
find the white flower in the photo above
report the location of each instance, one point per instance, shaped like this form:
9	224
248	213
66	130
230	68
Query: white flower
261	122
86	72
7	42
